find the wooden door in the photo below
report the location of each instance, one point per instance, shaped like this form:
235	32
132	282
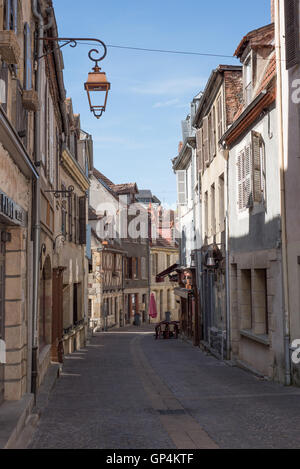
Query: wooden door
2	309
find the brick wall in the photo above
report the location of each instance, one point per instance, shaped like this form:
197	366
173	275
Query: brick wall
233	93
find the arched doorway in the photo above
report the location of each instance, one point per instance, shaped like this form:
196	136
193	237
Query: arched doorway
45	304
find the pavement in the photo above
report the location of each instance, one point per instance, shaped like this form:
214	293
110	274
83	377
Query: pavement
126	390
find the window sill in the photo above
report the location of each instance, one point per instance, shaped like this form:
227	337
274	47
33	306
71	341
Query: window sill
260	338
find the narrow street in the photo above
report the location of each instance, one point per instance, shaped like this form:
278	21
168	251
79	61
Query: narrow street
125	390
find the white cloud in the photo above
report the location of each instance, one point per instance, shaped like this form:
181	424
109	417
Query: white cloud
169	103
172	86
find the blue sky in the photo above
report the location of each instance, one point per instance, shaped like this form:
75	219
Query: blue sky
138	135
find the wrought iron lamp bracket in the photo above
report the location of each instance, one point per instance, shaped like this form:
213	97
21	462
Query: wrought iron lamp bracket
68	192
73	42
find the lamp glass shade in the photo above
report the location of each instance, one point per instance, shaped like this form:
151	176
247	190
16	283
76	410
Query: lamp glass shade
96	82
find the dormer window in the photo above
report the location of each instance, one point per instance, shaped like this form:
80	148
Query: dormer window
248	80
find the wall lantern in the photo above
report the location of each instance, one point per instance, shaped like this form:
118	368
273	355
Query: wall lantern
97	81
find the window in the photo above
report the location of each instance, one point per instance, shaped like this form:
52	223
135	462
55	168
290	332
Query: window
63	215
221	203
213	209
181	187
27	58
11	15
206	213
248	81
260	302
251	173
292	39
70	216
245	300
220	116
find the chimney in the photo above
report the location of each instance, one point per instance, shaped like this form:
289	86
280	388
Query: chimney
272	11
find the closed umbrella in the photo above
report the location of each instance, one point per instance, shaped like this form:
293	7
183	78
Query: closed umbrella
152	307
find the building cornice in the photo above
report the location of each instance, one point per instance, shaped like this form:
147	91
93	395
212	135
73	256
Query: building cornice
73	168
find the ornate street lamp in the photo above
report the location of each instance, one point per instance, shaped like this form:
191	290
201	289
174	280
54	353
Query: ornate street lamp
97	81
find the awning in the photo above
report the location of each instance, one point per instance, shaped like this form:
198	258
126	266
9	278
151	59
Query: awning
160	277
183	292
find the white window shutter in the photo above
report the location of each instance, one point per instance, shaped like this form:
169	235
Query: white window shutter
181	187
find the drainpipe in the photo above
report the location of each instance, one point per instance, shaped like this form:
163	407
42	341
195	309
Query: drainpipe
36	206
286	315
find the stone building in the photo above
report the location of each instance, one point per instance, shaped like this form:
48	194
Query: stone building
218	104
18	180
256	300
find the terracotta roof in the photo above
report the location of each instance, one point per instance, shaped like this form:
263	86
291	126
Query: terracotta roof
258	37
101	176
125	188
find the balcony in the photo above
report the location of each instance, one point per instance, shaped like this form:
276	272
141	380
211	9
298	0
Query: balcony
9	47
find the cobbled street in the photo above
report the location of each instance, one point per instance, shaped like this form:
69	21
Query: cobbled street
126	390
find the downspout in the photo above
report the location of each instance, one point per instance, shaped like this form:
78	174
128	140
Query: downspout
36	206
286	315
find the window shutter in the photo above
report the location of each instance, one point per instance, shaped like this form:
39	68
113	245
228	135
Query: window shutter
205	141
15	16
247	181
240	180
3	85
70	203
75	218
199	141
181	187
27	58
220	117
51	142
82	220
291	8
256	165
43	114
213	132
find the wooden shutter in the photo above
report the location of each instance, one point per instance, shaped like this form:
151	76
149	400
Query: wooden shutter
3	85
220	117
181	187
248	177
291	8
75	218
51	142
43	113
70	210
199	141
82	220
240	179
256	166
139	268
213	132
27	58
21	115
15	16
205	141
